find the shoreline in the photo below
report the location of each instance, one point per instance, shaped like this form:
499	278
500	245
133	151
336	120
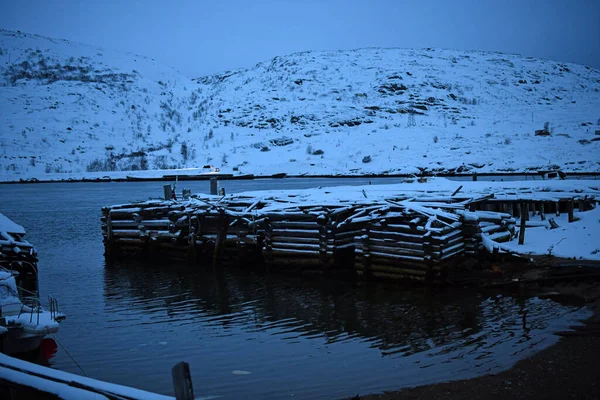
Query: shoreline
207	177
567	369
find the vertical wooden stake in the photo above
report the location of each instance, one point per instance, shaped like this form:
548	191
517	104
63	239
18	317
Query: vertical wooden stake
557	209
523	221
182	380
168	192
213	186
570	210
542	215
223	227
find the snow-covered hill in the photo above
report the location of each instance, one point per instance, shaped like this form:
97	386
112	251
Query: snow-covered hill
69	107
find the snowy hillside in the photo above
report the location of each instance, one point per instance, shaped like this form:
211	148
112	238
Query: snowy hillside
75	108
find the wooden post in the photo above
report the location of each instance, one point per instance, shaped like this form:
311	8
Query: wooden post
583	205
558	209
542	216
323	242
213	186
570	210
525	208
523	222
474	177
366	257
168	192
428	258
223	227
182	381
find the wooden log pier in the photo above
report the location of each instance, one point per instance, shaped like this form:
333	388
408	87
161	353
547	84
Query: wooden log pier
391	237
17	254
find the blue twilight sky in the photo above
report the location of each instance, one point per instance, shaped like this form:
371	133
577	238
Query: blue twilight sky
204	37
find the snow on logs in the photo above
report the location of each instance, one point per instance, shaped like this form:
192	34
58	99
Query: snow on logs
416	239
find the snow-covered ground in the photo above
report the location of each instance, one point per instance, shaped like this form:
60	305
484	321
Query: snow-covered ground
578	240
72	108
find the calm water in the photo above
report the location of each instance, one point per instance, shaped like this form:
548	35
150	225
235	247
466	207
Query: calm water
254	335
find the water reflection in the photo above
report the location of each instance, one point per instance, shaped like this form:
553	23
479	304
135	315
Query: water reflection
446	332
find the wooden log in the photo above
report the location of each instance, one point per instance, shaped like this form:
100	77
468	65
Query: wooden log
295	233
391	256
126	213
309	225
491	228
295	239
298	246
403	237
346	235
387	225
439	246
395	243
542	215
446	229
129	241
123	233
293	253
397	251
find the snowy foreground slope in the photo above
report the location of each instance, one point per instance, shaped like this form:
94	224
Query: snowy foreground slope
73	108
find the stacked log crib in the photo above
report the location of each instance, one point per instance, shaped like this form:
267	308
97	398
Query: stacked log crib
397	237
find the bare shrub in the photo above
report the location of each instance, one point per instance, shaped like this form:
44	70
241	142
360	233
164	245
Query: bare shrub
184	151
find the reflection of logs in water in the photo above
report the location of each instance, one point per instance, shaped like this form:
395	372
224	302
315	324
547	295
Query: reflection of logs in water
396	321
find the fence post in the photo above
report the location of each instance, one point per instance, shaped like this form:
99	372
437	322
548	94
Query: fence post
213	186
182	380
168	192
524	212
570	210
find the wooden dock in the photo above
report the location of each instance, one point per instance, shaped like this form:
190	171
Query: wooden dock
395	234
17	254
